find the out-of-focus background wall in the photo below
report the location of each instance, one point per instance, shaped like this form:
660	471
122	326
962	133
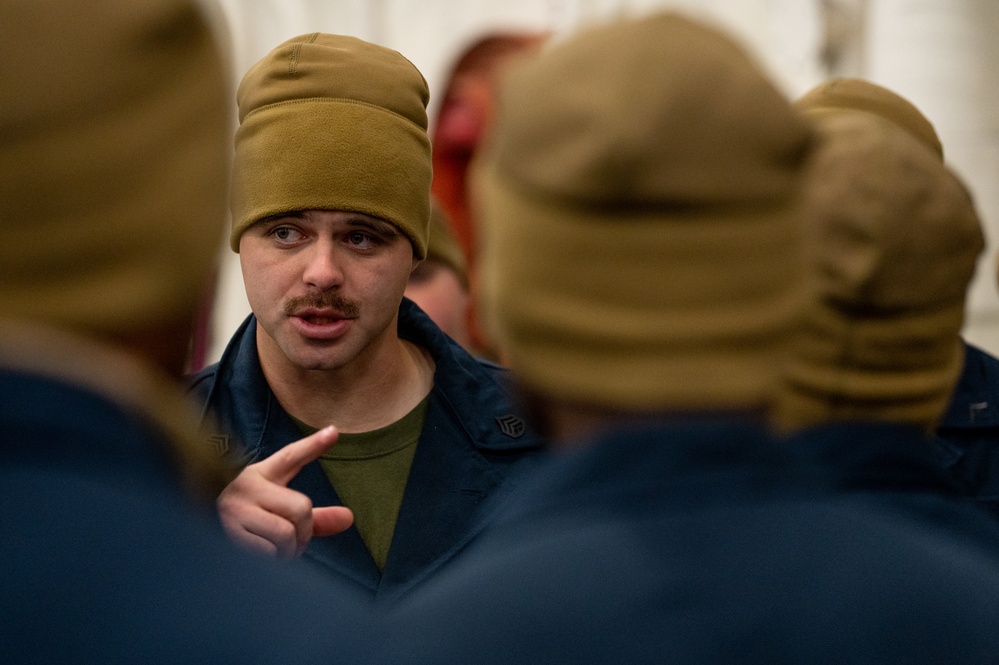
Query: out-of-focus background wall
940	54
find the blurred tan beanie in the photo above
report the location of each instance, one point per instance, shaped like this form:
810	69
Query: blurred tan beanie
894	239
640	198
113	161
443	247
841	95
329	122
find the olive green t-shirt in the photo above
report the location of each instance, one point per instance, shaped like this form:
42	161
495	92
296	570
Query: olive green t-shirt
369	471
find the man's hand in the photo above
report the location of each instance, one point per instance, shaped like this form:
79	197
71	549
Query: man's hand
258	510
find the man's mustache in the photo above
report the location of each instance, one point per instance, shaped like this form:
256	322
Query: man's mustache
322	300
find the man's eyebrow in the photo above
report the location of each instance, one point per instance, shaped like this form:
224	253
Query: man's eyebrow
355	220
372	224
294	214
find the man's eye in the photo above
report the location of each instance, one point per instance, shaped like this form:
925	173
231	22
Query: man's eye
360	239
286	234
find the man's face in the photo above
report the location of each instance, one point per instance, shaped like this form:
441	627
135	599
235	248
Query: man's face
325	286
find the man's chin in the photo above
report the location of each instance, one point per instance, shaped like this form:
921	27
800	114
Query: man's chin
317	363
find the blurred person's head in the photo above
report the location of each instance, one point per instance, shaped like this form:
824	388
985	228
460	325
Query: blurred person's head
114	157
464	117
467	105
439	284
113	168
893	240
640	199
848	95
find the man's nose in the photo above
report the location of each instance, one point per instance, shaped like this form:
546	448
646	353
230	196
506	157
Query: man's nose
322	270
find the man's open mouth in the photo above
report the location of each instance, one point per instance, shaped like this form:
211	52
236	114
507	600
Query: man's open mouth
320	319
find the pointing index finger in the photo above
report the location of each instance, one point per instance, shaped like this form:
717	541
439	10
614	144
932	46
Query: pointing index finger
285	464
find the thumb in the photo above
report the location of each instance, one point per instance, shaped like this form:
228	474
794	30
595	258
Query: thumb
331	520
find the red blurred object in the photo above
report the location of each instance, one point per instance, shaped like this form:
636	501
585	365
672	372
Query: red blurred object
463	119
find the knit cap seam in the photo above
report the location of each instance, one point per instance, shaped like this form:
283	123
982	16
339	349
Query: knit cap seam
337	100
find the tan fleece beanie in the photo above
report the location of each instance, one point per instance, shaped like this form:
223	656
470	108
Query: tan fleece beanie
329	122
851	94
894	239
443	247
640	203
113	161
